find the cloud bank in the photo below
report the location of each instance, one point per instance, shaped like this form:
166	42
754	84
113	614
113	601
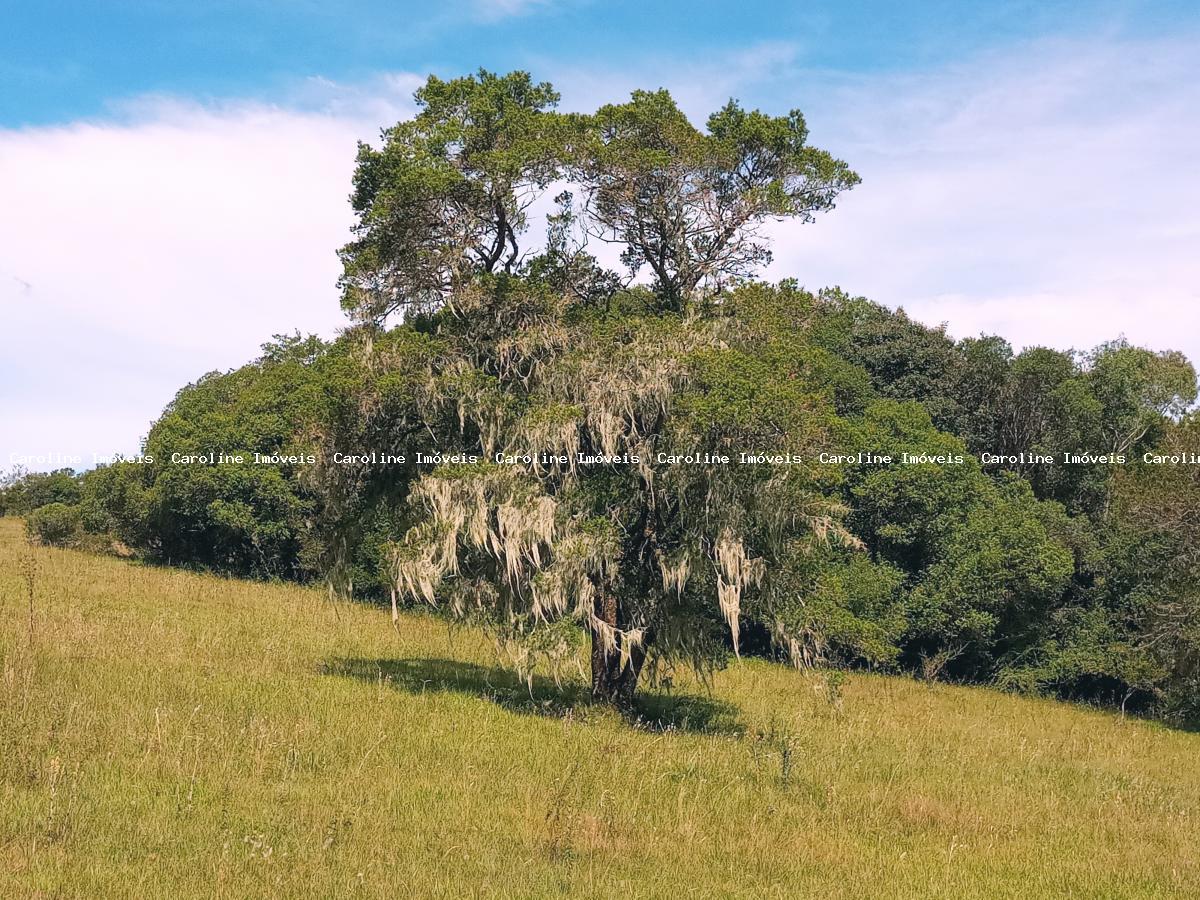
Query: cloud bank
137	255
1048	193
1050	196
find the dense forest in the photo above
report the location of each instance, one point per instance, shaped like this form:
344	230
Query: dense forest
509	432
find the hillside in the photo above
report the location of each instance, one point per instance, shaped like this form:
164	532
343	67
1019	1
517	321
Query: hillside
163	733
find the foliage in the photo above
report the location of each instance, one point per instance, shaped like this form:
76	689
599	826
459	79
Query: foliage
689	204
629	548
23	492
54	525
1138	391
205	499
448	194
904	359
447	197
1155	553
649	556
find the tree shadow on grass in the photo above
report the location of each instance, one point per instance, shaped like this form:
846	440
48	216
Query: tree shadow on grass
652	711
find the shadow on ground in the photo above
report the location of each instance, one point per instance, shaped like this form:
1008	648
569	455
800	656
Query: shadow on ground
653	711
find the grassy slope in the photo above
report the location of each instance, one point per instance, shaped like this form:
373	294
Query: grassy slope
171	734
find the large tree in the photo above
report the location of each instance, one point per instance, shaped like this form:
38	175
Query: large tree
562	403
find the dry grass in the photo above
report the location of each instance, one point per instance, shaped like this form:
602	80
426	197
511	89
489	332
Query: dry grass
167	734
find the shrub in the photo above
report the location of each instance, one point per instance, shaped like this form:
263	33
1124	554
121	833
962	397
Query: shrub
54	525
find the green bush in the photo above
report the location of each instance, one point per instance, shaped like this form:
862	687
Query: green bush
54	525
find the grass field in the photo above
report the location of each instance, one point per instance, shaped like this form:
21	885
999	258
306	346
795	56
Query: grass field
169	734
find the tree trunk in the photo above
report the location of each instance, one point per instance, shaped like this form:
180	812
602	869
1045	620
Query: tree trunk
611	682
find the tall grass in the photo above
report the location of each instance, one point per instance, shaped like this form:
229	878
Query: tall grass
170	734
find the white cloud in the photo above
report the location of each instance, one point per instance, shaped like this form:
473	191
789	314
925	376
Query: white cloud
1050	195
137	255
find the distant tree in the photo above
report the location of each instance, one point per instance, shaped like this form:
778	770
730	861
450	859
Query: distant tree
1037	402
980	391
116	503
1138	391
905	359
26	491
1117	399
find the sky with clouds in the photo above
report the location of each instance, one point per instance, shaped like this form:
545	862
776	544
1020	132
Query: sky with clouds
173	177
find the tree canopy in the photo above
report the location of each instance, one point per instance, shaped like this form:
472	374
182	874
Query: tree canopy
448	195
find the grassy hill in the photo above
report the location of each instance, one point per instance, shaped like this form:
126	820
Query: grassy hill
169	734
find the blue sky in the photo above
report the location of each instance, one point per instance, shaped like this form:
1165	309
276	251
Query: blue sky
65	60
173	177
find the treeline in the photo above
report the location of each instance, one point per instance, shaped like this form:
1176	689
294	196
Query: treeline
1075	580
1078	580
